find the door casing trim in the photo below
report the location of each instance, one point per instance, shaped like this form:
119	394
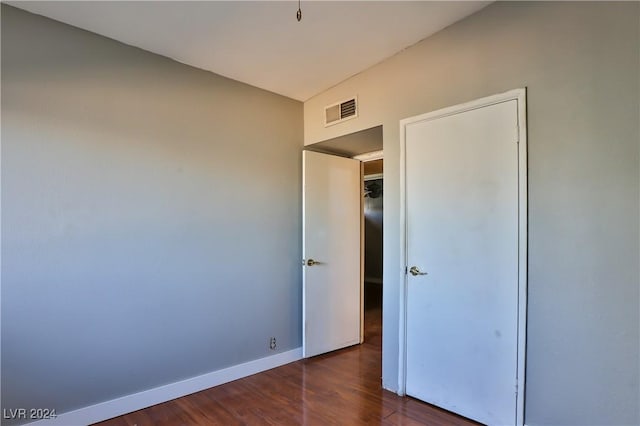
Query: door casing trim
520	96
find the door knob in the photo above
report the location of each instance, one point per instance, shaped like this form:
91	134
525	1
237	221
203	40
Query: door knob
415	271
310	262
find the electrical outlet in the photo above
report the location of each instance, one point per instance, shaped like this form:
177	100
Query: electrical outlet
272	343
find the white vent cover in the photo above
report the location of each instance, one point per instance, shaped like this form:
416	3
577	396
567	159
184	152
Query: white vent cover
340	111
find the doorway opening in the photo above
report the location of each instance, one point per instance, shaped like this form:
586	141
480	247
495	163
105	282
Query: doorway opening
366	147
373	224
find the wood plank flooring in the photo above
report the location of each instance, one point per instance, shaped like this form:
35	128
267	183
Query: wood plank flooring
340	388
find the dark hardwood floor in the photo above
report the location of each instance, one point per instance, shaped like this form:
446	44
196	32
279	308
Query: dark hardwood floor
339	388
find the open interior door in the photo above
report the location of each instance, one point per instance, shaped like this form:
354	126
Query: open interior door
331	249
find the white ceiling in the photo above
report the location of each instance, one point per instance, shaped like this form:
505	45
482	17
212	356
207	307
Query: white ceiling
260	42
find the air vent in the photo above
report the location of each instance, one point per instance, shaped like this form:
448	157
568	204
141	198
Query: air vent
340	111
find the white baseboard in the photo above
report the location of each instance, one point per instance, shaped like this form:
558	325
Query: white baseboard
137	401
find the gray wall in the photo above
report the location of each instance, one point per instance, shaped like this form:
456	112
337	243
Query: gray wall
580	63
150	218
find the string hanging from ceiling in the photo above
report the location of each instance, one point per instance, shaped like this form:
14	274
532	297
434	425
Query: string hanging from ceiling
299	13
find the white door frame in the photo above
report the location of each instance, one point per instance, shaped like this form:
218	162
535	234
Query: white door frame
520	96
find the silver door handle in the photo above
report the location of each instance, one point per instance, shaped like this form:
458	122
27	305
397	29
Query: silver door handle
310	262
415	271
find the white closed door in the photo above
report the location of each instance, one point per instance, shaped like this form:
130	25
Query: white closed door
332	214
462	243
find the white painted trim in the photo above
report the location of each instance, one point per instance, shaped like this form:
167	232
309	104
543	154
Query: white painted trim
304	252
520	96
402	314
523	256
362	179
137	401
370	156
